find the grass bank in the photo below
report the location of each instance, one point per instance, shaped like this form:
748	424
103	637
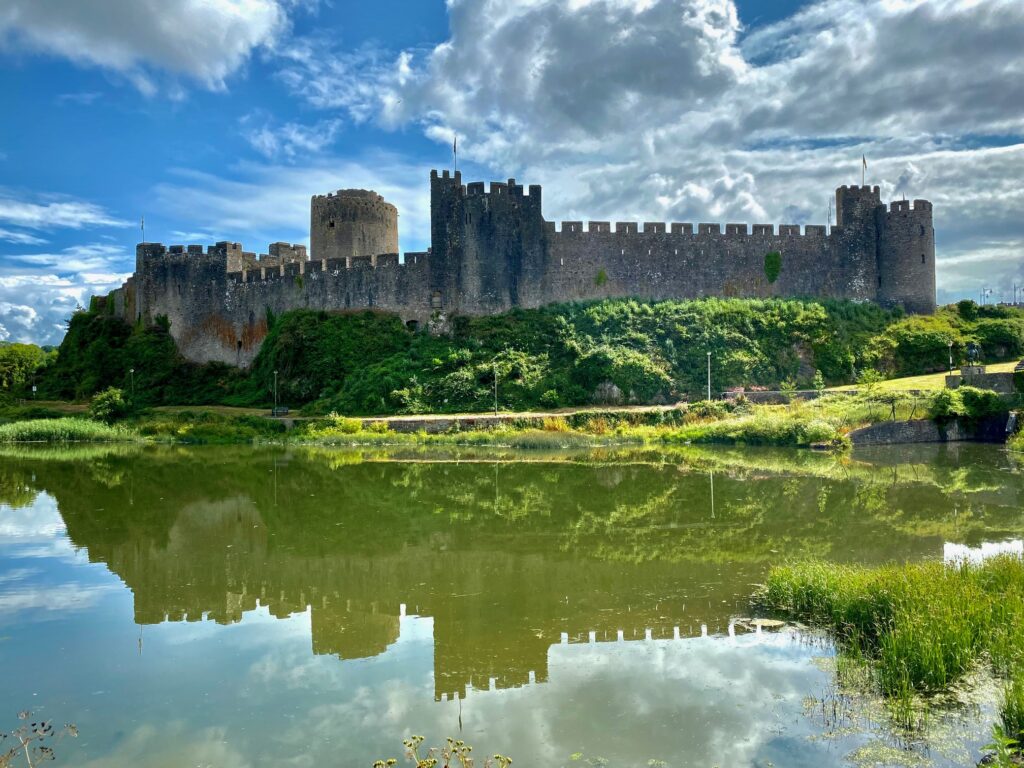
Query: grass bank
920	629
65	430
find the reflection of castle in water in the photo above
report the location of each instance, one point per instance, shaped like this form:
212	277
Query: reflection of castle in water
507	559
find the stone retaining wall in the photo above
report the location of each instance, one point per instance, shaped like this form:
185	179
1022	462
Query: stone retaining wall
992	430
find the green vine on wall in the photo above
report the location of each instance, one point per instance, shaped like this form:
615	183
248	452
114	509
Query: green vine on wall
772	265
601	278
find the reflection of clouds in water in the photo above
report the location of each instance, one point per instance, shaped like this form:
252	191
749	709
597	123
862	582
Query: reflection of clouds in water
55	599
41	519
715	700
36	531
961	553
172	745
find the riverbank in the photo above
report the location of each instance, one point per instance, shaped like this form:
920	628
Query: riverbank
919	629
824	423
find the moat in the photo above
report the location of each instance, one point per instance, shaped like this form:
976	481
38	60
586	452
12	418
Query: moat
266	607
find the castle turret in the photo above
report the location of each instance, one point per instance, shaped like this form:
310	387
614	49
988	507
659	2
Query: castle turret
906	256
352	223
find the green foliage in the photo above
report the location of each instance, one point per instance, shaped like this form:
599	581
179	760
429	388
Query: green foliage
968	403
922	626
207	428
819	383
967	309
63	431
19	364
99	351
601	278
772	265
369	363
108	406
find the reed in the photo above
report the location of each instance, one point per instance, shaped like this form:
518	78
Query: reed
922	627
67	430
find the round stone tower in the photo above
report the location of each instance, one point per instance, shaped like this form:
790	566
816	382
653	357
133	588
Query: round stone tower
352	222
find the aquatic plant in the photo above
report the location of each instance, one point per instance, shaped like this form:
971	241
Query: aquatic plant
922	628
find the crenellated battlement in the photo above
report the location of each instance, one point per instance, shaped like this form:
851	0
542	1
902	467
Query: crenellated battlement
905	206
492	250
577	228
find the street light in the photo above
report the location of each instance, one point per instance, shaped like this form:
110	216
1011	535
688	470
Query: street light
950	343
275	393
131	372
709	376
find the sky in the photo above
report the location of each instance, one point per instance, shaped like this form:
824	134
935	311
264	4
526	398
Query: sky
218	119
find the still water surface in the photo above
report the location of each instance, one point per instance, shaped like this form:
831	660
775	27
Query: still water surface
246	607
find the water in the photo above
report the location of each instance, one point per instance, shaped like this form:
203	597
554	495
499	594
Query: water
244	607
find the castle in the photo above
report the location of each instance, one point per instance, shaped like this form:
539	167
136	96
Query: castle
492	250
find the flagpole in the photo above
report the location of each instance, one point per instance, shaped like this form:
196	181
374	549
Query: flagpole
143	222
455	152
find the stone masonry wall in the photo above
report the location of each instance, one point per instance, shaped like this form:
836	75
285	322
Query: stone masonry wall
492	250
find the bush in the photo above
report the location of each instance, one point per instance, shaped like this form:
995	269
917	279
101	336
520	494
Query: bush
108	406
969	403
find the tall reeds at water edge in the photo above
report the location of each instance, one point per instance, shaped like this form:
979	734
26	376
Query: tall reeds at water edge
67	430
921	628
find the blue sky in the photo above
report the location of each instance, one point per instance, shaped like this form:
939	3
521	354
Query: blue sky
217	119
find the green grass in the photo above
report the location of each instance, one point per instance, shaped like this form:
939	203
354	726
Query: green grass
922	628
207	427
929	381
64	430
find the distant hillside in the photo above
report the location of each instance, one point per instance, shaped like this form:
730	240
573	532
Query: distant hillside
567	354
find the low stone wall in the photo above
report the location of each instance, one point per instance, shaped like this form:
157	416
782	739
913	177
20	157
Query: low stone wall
992	430
1003	383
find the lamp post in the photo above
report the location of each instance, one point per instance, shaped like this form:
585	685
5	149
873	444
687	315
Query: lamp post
950	343
495	364
709	376
131	372
275	393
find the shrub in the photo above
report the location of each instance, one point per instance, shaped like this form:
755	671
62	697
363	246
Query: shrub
556	424
108	406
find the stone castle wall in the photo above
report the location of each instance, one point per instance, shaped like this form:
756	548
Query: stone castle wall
492	250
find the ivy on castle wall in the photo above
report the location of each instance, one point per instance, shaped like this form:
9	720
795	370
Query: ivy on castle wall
772	265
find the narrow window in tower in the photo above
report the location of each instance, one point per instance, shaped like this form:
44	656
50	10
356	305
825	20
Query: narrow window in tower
331	223
922	258
922	230
879	281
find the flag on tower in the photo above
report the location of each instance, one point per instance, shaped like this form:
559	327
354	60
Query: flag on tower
863	169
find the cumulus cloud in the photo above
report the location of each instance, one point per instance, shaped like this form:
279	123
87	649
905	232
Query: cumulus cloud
203	40
40	291
670	109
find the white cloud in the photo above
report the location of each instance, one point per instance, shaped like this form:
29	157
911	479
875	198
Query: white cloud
663	109
263	203
292	139
58	212
204	40
20	238
40	291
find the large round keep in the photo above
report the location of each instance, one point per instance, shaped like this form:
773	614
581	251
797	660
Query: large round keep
350	223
